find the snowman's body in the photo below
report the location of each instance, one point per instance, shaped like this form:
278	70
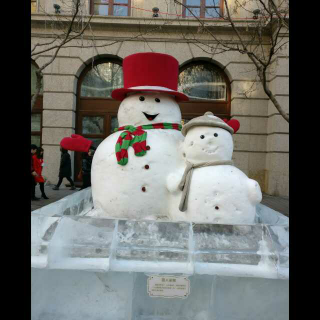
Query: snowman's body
118	190
137	190
218	193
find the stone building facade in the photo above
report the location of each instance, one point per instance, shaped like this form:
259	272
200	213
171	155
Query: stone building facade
261	146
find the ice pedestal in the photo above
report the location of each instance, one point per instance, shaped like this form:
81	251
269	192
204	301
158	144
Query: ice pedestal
235	250
82	295
146	246
215	298
92	268
81	243
78	203
42	230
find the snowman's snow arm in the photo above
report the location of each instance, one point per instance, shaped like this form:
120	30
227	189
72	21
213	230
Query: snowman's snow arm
173	181
254	190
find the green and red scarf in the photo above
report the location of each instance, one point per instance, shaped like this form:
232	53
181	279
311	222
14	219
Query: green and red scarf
136	138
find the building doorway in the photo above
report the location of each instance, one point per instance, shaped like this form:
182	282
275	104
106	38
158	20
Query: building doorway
96	116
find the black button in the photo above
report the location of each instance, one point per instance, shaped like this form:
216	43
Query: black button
143	189
148	147
147	166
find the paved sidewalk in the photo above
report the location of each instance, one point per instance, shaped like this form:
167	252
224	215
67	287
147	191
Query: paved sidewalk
53	195
280	204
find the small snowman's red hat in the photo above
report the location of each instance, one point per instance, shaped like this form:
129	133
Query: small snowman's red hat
149	71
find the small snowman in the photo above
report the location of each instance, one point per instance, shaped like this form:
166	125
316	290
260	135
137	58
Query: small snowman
130	166
209	189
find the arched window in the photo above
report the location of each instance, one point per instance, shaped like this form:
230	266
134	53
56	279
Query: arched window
96	116
208	88
202	81
100	80
36	114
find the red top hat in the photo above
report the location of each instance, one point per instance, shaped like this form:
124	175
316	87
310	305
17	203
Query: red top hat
155	72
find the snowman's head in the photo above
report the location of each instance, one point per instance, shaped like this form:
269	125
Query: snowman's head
148	108
203	144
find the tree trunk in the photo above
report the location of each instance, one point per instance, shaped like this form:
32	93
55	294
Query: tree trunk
38	88
263	78
276	103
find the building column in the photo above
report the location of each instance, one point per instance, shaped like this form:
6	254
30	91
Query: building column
59	112
277	164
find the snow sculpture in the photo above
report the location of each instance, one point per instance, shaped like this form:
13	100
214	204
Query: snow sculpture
130	166
144	169
209	189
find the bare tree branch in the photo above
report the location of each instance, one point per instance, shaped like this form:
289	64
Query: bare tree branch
66	39
251	42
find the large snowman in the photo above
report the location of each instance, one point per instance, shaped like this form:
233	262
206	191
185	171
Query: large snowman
208	188
130	166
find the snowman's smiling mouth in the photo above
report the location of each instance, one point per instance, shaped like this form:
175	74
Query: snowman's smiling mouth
210	151
150	117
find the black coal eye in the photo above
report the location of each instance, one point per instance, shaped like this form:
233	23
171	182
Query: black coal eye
215	134
216	207
202	136
157	99
141	98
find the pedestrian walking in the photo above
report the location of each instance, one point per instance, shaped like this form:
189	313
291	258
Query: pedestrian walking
38	166
86	168
33	174
65	169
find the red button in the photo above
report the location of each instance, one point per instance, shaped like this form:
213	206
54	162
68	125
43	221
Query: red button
148	147
146	166
143	189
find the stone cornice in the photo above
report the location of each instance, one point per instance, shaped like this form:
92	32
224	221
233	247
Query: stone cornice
149	37
39	19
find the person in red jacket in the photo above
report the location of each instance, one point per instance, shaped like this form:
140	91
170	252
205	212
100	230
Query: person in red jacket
34	149
38	165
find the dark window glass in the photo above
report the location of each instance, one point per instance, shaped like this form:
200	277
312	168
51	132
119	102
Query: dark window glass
114	123
35	140
193	2
101	10
96	141
36	122
92	125
212	12
213	3
193	12
120	11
